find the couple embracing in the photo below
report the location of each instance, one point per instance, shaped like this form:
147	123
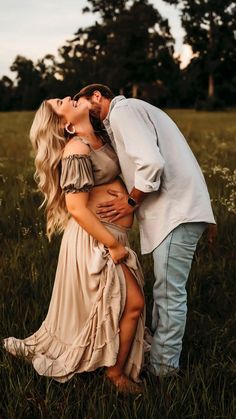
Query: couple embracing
101	158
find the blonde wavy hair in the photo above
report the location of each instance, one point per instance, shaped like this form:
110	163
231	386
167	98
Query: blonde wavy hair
48	139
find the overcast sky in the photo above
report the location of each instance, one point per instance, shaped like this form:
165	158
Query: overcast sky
34	28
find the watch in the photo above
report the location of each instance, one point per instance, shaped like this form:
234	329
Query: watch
132	202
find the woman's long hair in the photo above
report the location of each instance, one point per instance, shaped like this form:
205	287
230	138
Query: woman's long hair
48	140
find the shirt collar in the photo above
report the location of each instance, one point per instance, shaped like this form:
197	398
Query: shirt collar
112	104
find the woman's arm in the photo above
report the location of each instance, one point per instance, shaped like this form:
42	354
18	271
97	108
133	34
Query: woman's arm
77	206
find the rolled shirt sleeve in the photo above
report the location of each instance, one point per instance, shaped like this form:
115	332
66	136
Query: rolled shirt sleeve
133	126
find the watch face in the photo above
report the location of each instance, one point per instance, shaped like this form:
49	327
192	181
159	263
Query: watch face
132	202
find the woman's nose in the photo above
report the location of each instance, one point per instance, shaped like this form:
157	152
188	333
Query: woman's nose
67	98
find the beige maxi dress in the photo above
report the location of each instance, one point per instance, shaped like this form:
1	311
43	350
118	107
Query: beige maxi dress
81	330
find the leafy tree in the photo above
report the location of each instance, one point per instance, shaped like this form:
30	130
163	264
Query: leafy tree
130	47
6	87
27	92
210	30
107	8
51	84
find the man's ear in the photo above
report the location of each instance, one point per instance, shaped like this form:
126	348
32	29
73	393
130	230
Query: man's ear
97	96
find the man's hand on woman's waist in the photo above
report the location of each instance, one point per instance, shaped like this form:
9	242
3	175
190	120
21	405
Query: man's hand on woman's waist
120	206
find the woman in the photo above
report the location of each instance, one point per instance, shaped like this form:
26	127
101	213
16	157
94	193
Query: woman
96	314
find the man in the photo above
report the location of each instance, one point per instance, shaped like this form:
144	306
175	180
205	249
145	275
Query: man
168	192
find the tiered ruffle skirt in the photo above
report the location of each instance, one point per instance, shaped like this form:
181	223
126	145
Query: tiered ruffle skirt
81	330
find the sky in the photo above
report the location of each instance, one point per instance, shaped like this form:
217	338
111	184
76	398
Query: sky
34	28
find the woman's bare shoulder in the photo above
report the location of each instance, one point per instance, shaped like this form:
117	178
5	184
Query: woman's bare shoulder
75	146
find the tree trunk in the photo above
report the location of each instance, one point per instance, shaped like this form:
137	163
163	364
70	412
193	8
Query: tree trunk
211	89
134	90
210	51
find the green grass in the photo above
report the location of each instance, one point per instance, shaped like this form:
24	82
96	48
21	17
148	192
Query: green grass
27	268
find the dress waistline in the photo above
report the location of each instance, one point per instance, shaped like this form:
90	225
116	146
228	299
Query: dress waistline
116	226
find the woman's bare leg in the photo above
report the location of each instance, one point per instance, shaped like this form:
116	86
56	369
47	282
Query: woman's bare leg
128	324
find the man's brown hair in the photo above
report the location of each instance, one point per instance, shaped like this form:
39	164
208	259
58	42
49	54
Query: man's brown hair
88	91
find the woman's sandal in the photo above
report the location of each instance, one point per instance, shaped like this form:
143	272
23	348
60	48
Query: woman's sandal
124	385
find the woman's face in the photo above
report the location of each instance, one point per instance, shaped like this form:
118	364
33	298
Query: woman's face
71	111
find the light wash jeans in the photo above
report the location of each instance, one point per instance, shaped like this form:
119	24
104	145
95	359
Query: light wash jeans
172	264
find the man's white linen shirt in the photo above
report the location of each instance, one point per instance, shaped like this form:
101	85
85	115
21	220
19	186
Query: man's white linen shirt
155	158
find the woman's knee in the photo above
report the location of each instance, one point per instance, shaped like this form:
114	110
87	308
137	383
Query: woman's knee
135	301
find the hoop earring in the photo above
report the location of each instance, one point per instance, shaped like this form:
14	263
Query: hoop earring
68	130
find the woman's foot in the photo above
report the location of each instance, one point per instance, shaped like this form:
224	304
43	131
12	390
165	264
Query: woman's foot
124	385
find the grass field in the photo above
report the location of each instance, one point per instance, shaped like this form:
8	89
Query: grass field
27	267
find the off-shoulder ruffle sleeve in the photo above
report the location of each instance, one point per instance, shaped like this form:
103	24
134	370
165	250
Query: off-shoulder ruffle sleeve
76	173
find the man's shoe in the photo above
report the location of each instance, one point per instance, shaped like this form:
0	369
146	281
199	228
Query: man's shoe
171	373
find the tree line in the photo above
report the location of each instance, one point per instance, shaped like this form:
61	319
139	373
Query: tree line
131	49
